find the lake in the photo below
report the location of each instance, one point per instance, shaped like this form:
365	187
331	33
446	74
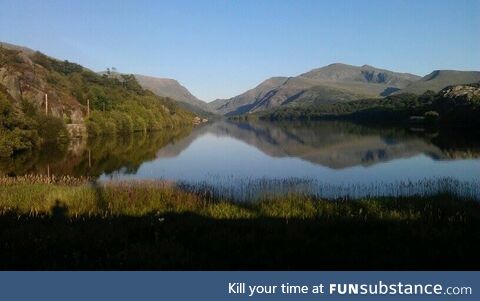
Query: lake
248	159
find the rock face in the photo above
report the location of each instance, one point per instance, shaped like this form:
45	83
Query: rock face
77	130
466	92
23	79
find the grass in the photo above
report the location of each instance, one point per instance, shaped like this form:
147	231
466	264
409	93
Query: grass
69	223
252	189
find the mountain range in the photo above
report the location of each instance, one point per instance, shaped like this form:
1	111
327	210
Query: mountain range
336	83
330	84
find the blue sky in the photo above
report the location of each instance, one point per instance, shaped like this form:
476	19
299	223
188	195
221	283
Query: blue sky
218	49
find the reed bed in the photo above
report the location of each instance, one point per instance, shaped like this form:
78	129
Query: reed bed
249	189
81	224
44	179
280	199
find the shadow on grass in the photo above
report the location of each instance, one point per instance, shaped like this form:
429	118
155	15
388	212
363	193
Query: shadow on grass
186	241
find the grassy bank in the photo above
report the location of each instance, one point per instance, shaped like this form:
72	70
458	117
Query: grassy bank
71	223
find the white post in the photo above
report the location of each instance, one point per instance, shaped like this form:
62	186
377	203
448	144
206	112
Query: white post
88	108
46	104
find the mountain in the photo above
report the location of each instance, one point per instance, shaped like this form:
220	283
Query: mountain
171	88
342	73
329	84
243	102
439	79
337	83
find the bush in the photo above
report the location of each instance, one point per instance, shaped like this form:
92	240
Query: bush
52	129
17	132
431	117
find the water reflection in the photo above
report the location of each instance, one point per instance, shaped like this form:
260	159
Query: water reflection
93	157
339	145
332	152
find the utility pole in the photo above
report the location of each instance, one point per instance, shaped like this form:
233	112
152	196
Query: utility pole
46	104
88	108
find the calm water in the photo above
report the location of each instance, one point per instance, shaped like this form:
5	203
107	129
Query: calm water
327	158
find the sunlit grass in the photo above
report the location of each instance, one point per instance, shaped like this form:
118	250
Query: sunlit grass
36	195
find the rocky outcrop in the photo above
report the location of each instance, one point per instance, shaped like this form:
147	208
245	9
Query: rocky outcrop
465	92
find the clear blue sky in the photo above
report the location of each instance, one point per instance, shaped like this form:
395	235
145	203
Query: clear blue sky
218	49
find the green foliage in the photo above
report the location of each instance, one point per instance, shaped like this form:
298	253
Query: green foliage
24	129
142	115
17	132
118	104
51	129
64	67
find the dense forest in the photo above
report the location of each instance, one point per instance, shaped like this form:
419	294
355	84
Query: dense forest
453	106
99	104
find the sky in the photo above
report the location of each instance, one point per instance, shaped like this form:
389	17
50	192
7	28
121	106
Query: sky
221	48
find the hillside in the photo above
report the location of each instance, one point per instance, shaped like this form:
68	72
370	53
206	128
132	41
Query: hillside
457	106
439	79
243	102
170	88
329	84
115	105
336	83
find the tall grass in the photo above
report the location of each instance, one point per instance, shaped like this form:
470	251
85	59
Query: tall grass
34	195
248	189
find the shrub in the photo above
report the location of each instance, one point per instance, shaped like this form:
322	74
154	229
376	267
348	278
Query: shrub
431	116
17	132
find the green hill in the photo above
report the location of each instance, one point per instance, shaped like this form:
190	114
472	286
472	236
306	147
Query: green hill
117	105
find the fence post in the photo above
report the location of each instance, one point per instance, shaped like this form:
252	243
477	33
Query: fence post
46	104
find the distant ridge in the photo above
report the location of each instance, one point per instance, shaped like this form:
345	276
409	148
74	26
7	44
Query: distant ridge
168	87
337	83
439	79
332	83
